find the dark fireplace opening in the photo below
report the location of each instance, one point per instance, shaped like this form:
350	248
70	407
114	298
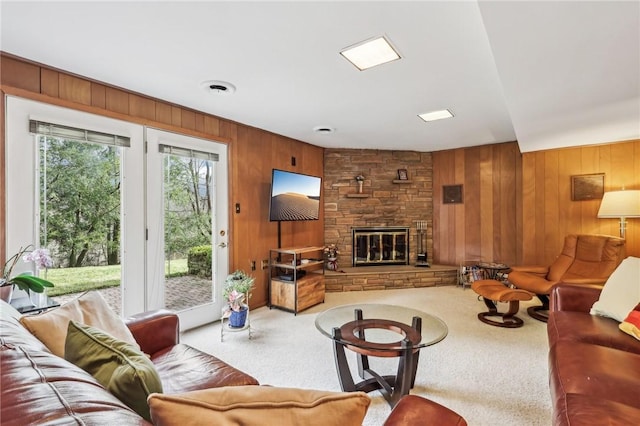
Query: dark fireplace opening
380	246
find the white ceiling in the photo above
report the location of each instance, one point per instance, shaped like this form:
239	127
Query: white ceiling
547	74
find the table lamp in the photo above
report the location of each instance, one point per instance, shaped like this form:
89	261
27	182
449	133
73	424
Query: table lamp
620	204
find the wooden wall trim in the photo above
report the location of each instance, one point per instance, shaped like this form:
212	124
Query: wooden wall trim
13	91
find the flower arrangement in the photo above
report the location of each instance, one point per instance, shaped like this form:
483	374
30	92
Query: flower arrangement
237	287
41	257
25	281
331	250
360	178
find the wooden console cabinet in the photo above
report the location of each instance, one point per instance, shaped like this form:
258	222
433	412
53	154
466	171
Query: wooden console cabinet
296	278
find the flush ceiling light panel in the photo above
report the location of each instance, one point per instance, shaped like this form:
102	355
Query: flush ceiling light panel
436	115
370	53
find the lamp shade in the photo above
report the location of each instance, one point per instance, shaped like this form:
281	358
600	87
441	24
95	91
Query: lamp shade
617	204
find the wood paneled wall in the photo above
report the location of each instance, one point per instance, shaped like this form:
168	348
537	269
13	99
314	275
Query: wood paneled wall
257	152
485	227
548	213
517	207
253	153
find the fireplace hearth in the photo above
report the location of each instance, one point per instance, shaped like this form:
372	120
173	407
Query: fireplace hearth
374	246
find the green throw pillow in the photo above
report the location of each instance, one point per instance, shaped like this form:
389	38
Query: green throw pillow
121	368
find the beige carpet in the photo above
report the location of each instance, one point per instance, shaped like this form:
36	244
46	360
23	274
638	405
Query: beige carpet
489	375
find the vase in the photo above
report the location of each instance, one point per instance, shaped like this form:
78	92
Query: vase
6	292
360	187
237	319
332	263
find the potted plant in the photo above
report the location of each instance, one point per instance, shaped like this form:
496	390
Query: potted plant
25	281
237	290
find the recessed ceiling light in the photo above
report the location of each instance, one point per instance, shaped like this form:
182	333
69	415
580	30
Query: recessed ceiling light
436	115
218	87
370	53
324	129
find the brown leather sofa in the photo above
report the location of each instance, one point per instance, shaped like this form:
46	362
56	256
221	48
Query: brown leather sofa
594	368
38	387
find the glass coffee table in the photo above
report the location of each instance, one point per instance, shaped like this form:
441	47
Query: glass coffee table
380	331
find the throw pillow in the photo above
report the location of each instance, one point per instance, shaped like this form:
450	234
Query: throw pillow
89	308
121	368
631	324
259	405
621	292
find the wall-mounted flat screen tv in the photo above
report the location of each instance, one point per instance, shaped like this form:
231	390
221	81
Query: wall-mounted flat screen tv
294	196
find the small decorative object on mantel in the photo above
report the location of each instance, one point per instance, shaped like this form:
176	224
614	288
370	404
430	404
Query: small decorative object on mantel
25	281
402	174
360	180
331	251
237	290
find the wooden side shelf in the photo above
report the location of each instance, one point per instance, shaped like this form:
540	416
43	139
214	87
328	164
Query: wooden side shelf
358	195
402	181
297	278
296	296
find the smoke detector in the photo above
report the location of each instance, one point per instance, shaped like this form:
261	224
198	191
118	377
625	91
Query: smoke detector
324	129
218	87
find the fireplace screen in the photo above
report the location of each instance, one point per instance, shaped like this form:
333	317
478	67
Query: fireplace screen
380	246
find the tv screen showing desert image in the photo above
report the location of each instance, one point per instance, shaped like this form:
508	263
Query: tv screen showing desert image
294	196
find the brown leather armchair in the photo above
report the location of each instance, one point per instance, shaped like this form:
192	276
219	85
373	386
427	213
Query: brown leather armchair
585	259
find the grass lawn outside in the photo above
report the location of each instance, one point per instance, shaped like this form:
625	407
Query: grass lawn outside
76	280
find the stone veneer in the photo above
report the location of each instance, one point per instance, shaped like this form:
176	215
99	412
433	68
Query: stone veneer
389	203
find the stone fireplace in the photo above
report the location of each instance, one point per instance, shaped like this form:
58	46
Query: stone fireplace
380	246
385	201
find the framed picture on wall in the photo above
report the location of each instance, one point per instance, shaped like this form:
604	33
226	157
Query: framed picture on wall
402	174
451	194
587	187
